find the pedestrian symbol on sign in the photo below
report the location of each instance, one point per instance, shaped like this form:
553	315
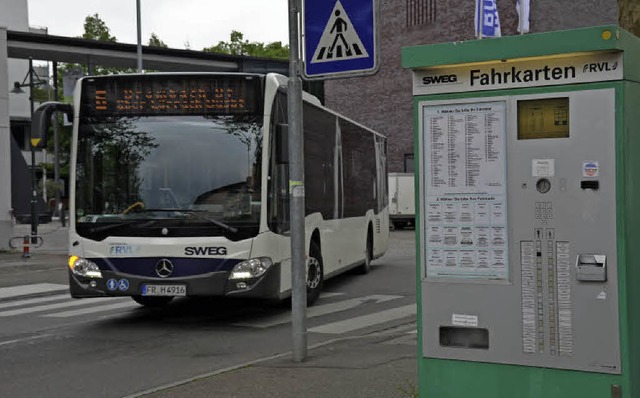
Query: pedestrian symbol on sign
339	40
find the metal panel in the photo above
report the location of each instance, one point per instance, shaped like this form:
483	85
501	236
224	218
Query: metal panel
543	316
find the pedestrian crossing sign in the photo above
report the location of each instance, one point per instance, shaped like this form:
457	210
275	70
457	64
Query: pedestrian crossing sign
340	38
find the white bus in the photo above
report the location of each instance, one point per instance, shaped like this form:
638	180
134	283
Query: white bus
179	187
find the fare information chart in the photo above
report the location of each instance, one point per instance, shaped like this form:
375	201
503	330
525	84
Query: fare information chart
466	198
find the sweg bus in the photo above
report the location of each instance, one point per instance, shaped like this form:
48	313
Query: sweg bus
180	187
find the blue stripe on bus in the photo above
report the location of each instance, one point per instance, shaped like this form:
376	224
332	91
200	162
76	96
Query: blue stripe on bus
183	267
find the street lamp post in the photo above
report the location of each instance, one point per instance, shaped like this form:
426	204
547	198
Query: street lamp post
17	88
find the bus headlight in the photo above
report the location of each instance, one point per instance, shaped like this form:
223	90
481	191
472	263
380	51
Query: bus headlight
83	267
251	268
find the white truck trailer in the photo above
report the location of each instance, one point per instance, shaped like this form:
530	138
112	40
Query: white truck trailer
402	209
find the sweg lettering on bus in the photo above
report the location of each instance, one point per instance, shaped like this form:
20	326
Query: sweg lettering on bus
201	251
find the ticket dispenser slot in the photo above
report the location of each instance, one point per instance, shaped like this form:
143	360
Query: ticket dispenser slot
590	184
591	268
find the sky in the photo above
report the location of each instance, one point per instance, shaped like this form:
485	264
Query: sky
178	23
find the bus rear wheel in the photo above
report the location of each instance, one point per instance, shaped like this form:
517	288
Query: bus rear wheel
368	256
152	302
314	274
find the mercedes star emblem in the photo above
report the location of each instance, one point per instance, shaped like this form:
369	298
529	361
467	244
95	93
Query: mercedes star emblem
164	268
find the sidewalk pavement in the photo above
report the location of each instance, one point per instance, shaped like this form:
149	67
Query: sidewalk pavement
45	264
382	364
378	365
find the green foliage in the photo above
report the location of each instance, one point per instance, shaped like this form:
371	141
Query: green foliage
155	41
96	29
52	188
409	390
237	45
64	142
42	93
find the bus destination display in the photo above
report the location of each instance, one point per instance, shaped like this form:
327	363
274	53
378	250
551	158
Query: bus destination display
164	96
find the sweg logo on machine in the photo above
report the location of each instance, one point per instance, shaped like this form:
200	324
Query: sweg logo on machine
205	250
435	79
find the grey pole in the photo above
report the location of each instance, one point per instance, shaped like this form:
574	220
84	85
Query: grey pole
34	194
139	37
56	148
296	191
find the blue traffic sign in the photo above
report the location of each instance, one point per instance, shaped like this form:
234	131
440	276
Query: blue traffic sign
340	38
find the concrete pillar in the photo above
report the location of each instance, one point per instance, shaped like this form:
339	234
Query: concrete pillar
6	226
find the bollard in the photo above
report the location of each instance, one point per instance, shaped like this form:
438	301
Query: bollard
25	247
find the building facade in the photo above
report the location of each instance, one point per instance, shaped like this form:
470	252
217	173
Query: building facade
384	101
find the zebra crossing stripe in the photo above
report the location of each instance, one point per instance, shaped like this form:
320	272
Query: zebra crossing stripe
364	321
24	290
92	310
319	310
37	300
48	307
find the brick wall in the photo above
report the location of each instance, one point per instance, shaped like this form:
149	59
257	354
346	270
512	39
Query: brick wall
384	102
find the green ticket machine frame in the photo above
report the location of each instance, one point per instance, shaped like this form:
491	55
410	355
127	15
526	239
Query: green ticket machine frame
528	215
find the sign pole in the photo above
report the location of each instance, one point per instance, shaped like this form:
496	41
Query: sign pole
296	190
139	32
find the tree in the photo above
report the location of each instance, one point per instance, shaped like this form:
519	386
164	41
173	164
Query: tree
237	45
154	41
629	15
96	29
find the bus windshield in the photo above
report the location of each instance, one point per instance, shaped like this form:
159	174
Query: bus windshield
168	175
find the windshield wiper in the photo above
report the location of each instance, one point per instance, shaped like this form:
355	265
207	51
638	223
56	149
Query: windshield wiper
109	227
197	214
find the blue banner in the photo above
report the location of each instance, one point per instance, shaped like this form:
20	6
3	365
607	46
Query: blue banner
487	21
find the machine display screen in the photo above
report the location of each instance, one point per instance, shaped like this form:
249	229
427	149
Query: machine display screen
170	95
543	118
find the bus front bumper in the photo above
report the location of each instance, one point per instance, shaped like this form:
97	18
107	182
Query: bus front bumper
116	284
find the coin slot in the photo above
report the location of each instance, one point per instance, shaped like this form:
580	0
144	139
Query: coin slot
543	185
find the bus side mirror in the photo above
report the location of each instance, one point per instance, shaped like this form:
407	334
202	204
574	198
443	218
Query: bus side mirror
41	121
282	143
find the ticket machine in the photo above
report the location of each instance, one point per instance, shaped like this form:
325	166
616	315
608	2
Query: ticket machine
528	215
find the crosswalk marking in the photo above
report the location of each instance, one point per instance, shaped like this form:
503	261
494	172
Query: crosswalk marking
364	321
37	300
318	310
330	294
41	308
60	306
92	310
24	290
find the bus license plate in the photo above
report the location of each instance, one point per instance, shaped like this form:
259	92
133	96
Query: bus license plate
164	290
